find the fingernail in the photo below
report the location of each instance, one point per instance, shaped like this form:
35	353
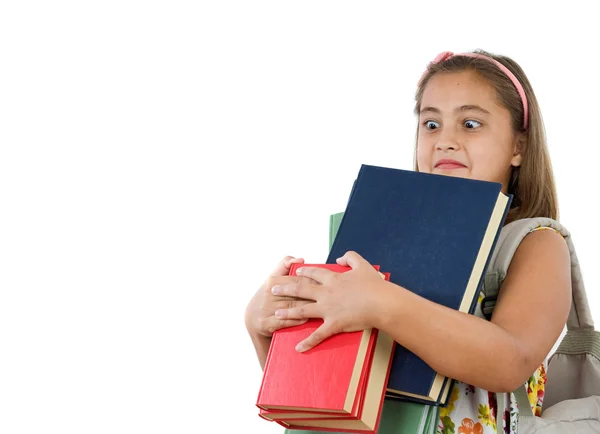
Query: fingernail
278	313
299	271
300	347
276	289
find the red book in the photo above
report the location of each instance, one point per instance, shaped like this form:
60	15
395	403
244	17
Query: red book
337	386
374	395
358	400
323	379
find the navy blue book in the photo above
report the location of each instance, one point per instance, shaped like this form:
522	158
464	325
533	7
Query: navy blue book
435	234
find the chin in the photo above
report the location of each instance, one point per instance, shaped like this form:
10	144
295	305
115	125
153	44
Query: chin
459	172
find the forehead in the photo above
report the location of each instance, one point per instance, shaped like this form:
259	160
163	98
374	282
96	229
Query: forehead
449	90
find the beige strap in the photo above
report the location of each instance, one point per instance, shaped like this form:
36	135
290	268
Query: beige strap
581	341
510	237
500	398
525	409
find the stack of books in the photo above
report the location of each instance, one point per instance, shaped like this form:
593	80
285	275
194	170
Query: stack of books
431	234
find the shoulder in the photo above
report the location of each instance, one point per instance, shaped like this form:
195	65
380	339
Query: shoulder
537	286
541	256
543	246
535	239
548	228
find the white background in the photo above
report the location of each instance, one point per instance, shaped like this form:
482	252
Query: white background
157	159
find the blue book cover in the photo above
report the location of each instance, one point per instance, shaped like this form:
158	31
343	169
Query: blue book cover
435	234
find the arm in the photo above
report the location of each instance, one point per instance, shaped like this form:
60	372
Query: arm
261	346
496	355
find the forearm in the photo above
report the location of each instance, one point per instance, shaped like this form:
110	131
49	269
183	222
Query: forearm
261	346
455	344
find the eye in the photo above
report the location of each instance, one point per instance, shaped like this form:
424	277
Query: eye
471	124
431	125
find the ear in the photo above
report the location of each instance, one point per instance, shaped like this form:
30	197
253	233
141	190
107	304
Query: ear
520	143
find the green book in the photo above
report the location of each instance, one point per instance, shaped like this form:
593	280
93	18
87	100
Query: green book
334	224
397	417
407	417
432	420
409	412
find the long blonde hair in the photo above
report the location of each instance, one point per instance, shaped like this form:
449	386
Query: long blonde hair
532	184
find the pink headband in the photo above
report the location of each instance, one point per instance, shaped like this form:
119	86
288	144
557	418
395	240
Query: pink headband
448	54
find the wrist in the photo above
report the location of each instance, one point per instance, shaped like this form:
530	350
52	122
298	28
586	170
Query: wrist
386	305
259	338
261	345
255	333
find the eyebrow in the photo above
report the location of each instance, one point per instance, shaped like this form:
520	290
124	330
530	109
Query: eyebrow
462	108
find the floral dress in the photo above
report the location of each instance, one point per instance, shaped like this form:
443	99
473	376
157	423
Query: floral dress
474	411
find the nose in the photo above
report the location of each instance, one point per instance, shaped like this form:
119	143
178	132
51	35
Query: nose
447	140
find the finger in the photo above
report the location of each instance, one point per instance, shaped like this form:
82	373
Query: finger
289	302
286	280
316	337
304	311
283	268
298	289
351	259
272	324
318	274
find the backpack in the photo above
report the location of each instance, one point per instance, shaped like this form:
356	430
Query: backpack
572	391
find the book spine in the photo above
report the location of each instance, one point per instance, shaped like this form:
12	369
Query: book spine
491	254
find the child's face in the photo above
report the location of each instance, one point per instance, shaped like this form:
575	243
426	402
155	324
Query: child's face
461	120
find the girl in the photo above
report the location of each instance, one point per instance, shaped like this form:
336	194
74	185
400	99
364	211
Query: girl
479	119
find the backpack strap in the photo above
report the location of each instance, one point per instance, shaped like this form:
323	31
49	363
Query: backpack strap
512	234
579	323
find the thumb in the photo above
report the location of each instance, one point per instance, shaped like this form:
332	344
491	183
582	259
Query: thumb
351	259
283	268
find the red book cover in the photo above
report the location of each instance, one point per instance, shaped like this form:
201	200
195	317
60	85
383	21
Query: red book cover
372	398
290	415
323	379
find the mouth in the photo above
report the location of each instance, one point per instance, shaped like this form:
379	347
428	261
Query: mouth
449	164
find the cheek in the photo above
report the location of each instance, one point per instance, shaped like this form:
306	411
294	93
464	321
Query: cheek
489	163
423	156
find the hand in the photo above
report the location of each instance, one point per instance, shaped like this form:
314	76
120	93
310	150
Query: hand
260	313
345	301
